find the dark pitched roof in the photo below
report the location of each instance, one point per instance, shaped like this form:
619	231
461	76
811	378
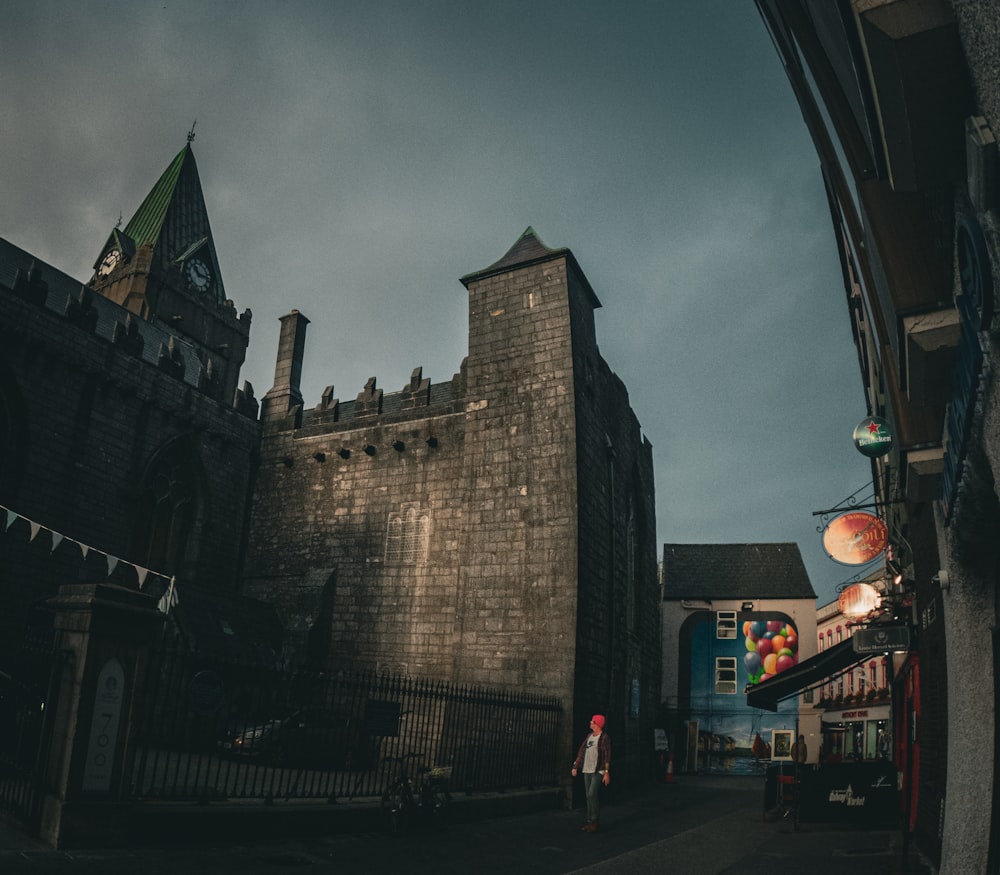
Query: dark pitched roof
734	571
529	249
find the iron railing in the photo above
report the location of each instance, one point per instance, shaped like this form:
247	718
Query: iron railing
210	729
26	700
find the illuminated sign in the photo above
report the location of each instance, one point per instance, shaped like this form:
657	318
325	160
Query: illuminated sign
855	538
859	600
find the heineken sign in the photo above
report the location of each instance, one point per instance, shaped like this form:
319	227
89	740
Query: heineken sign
873	437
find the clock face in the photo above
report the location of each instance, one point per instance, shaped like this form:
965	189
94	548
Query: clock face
199	275
110	261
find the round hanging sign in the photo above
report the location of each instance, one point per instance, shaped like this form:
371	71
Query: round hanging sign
855	538
873	437
859	600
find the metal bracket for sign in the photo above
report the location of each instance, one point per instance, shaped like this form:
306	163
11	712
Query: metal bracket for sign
850	503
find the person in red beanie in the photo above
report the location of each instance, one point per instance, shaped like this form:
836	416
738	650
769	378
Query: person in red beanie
593	759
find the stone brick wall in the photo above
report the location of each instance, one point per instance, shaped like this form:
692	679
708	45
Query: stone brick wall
534	496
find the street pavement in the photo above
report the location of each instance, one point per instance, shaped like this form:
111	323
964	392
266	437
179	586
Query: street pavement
699	824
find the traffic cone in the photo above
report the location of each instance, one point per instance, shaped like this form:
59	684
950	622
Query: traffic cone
670	769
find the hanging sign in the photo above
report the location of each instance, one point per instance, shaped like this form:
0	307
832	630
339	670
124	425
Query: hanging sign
859	600
855	538
873	437
880	639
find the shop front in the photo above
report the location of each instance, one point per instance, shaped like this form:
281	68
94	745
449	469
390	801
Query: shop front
855	779
857	734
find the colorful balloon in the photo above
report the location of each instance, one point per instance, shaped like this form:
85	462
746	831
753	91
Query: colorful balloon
784	663
752	662
764	647
771	663
750	644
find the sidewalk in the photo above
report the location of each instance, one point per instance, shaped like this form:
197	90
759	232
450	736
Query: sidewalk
701	826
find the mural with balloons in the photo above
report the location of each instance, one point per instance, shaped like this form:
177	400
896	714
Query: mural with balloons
731	733
772	646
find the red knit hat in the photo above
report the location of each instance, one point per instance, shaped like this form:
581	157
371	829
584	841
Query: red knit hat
598	719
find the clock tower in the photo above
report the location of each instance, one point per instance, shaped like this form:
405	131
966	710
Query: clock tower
163	268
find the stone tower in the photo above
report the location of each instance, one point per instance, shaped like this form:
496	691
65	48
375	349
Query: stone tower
163	268
495	529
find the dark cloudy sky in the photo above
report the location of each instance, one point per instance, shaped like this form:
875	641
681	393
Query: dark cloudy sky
359	157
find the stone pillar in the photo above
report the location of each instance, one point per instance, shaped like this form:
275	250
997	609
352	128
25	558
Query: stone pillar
103	637
285	397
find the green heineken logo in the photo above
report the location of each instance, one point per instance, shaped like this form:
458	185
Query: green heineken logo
873	437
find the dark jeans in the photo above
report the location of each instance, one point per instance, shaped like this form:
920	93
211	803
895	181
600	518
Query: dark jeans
592	784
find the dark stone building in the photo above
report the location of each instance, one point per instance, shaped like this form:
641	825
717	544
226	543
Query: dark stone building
497	528
119	435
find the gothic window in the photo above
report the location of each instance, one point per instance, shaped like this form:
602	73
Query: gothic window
166	509
12	436
630	569
407	539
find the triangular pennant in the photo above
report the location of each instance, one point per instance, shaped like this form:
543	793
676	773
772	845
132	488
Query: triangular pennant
84	549
35	529
56	540
11	518
112	564
141	574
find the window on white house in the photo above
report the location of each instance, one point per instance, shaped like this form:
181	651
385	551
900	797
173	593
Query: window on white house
725	675
725	624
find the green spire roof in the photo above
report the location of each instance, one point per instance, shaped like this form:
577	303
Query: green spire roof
144	227
173	218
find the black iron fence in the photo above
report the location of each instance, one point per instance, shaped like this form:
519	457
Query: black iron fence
26	696
210	729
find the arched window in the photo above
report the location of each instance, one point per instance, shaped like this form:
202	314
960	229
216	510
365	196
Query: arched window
13	436
167	508
408	536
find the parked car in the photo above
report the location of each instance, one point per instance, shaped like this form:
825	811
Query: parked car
310	737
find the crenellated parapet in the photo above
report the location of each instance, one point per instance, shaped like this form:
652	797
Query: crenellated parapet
369	400
92	314
28	284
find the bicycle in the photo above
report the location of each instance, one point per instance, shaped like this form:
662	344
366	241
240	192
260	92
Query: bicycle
428	798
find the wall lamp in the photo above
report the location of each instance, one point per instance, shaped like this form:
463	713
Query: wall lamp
747	606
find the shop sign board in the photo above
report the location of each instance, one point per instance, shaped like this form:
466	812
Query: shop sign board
855	538
880	639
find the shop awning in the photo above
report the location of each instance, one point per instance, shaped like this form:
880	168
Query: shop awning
825	664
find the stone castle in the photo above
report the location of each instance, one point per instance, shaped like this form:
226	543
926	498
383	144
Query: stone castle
497	528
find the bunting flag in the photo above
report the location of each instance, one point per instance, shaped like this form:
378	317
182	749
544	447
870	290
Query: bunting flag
169	598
